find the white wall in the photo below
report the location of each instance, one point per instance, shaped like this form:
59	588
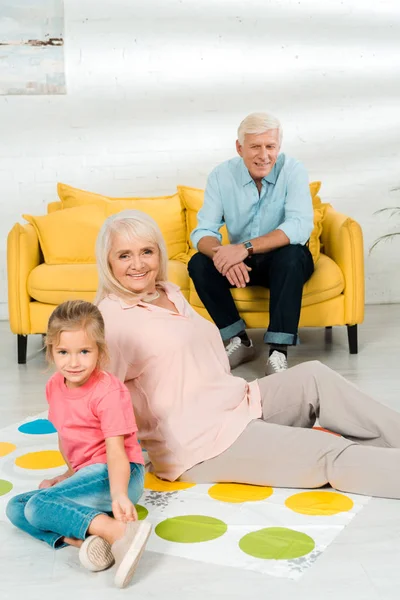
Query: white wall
156	89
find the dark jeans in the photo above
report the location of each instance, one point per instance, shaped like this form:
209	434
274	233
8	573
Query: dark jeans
284	271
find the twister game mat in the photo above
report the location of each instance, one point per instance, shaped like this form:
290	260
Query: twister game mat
276	531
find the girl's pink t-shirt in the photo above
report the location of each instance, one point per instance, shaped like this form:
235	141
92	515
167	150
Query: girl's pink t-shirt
85	416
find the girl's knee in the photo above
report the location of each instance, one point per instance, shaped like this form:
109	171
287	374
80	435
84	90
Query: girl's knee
14	509
31	510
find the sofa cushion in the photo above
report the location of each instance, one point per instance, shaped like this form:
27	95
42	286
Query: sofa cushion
53	284
326	282
167	211
315	186
69	236
71	197
192	199
314	242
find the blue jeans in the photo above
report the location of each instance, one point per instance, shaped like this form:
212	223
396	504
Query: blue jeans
284	271
68	508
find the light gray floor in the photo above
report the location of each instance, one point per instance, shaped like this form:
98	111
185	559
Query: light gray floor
362	563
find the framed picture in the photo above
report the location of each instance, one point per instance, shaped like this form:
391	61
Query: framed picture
32	47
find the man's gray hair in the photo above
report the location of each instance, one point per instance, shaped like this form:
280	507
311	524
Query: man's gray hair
258	123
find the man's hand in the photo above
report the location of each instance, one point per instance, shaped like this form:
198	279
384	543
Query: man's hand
47	483
123	509
228	256
238	275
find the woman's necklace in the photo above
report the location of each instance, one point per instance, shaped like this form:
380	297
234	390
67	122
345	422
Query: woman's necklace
151	297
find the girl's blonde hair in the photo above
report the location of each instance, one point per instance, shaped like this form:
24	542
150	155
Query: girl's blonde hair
74	315
132	225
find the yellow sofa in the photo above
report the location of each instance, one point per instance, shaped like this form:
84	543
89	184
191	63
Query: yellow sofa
51	259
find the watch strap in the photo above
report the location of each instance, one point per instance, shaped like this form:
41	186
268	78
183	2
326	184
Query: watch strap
249	247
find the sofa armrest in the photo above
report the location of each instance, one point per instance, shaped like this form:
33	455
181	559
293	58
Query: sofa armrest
23	255
343	242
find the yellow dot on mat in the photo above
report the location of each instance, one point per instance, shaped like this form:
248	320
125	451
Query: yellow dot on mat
239	492
6	448
46	459
319	503
152	482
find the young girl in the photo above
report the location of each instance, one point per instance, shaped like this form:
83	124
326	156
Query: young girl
92	412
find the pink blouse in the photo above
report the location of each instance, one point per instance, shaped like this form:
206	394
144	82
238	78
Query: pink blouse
188	406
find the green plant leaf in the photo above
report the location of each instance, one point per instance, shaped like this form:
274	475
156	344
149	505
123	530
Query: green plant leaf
395	210
384	238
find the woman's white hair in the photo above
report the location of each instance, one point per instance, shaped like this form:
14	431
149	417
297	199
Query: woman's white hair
132	225
258	123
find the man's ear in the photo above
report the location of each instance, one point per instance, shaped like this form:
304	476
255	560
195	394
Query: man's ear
239	148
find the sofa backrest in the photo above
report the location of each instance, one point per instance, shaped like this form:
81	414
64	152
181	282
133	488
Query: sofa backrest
167	211
176	215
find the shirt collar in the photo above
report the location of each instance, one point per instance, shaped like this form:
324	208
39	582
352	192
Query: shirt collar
166	285
270	178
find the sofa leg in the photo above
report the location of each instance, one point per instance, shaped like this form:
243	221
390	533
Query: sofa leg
22	346
353	339
328	335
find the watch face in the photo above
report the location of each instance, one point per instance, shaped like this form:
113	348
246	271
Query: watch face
249	247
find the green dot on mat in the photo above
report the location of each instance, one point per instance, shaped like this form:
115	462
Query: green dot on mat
190	529
142	512
5	487
277	543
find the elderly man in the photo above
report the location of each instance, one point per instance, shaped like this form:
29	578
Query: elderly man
263	198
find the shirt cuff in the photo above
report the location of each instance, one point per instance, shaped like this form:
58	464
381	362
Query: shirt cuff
197	235
116	432
293	234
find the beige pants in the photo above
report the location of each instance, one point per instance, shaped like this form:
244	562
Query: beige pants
281	450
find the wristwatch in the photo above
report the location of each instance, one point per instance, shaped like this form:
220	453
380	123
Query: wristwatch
249	247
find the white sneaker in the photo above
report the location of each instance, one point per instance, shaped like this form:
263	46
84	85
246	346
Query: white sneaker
238	353
95	554
276	363
128	550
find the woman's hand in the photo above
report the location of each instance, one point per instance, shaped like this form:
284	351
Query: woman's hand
123	509
47	483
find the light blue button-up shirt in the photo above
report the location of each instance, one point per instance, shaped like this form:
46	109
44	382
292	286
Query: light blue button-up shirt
231	197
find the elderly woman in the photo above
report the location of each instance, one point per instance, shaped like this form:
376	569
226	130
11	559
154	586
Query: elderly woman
199	422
